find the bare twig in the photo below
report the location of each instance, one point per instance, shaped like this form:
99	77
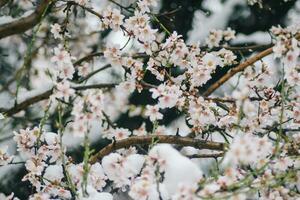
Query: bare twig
87	58
95	86
257	47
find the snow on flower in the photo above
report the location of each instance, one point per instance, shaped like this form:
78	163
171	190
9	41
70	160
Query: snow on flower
121	169
26	138
53	173
248	149
177	169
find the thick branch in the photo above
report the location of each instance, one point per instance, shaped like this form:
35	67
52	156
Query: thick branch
21	106
23	24
146	140
45	95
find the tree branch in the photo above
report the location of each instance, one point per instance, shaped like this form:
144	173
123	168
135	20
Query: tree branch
146	140
210	155
95	86
240	68
87	58
3	2
237	69
23	24
21	106
45	95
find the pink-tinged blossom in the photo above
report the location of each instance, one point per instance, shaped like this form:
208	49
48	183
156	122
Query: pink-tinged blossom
209	189
210	61
26	139
84	70
113	54
282	164
214	38
76	174
117	133
112	18
292	76
120	133
168	96
145	5
185	192
63	90
248	149
140	131
35	166
56	31
5	158
153	113
227	56
97	177
147	34
200	113
121	169
82	2
40	196
63	62
199	75
217	36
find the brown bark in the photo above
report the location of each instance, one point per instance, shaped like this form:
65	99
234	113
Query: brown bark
146	140
25	23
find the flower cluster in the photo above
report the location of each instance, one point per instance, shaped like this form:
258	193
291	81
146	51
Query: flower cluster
5	158
287	48
218	37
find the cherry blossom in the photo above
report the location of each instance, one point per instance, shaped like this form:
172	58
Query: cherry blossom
5	158
153	113
55	30
63	90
